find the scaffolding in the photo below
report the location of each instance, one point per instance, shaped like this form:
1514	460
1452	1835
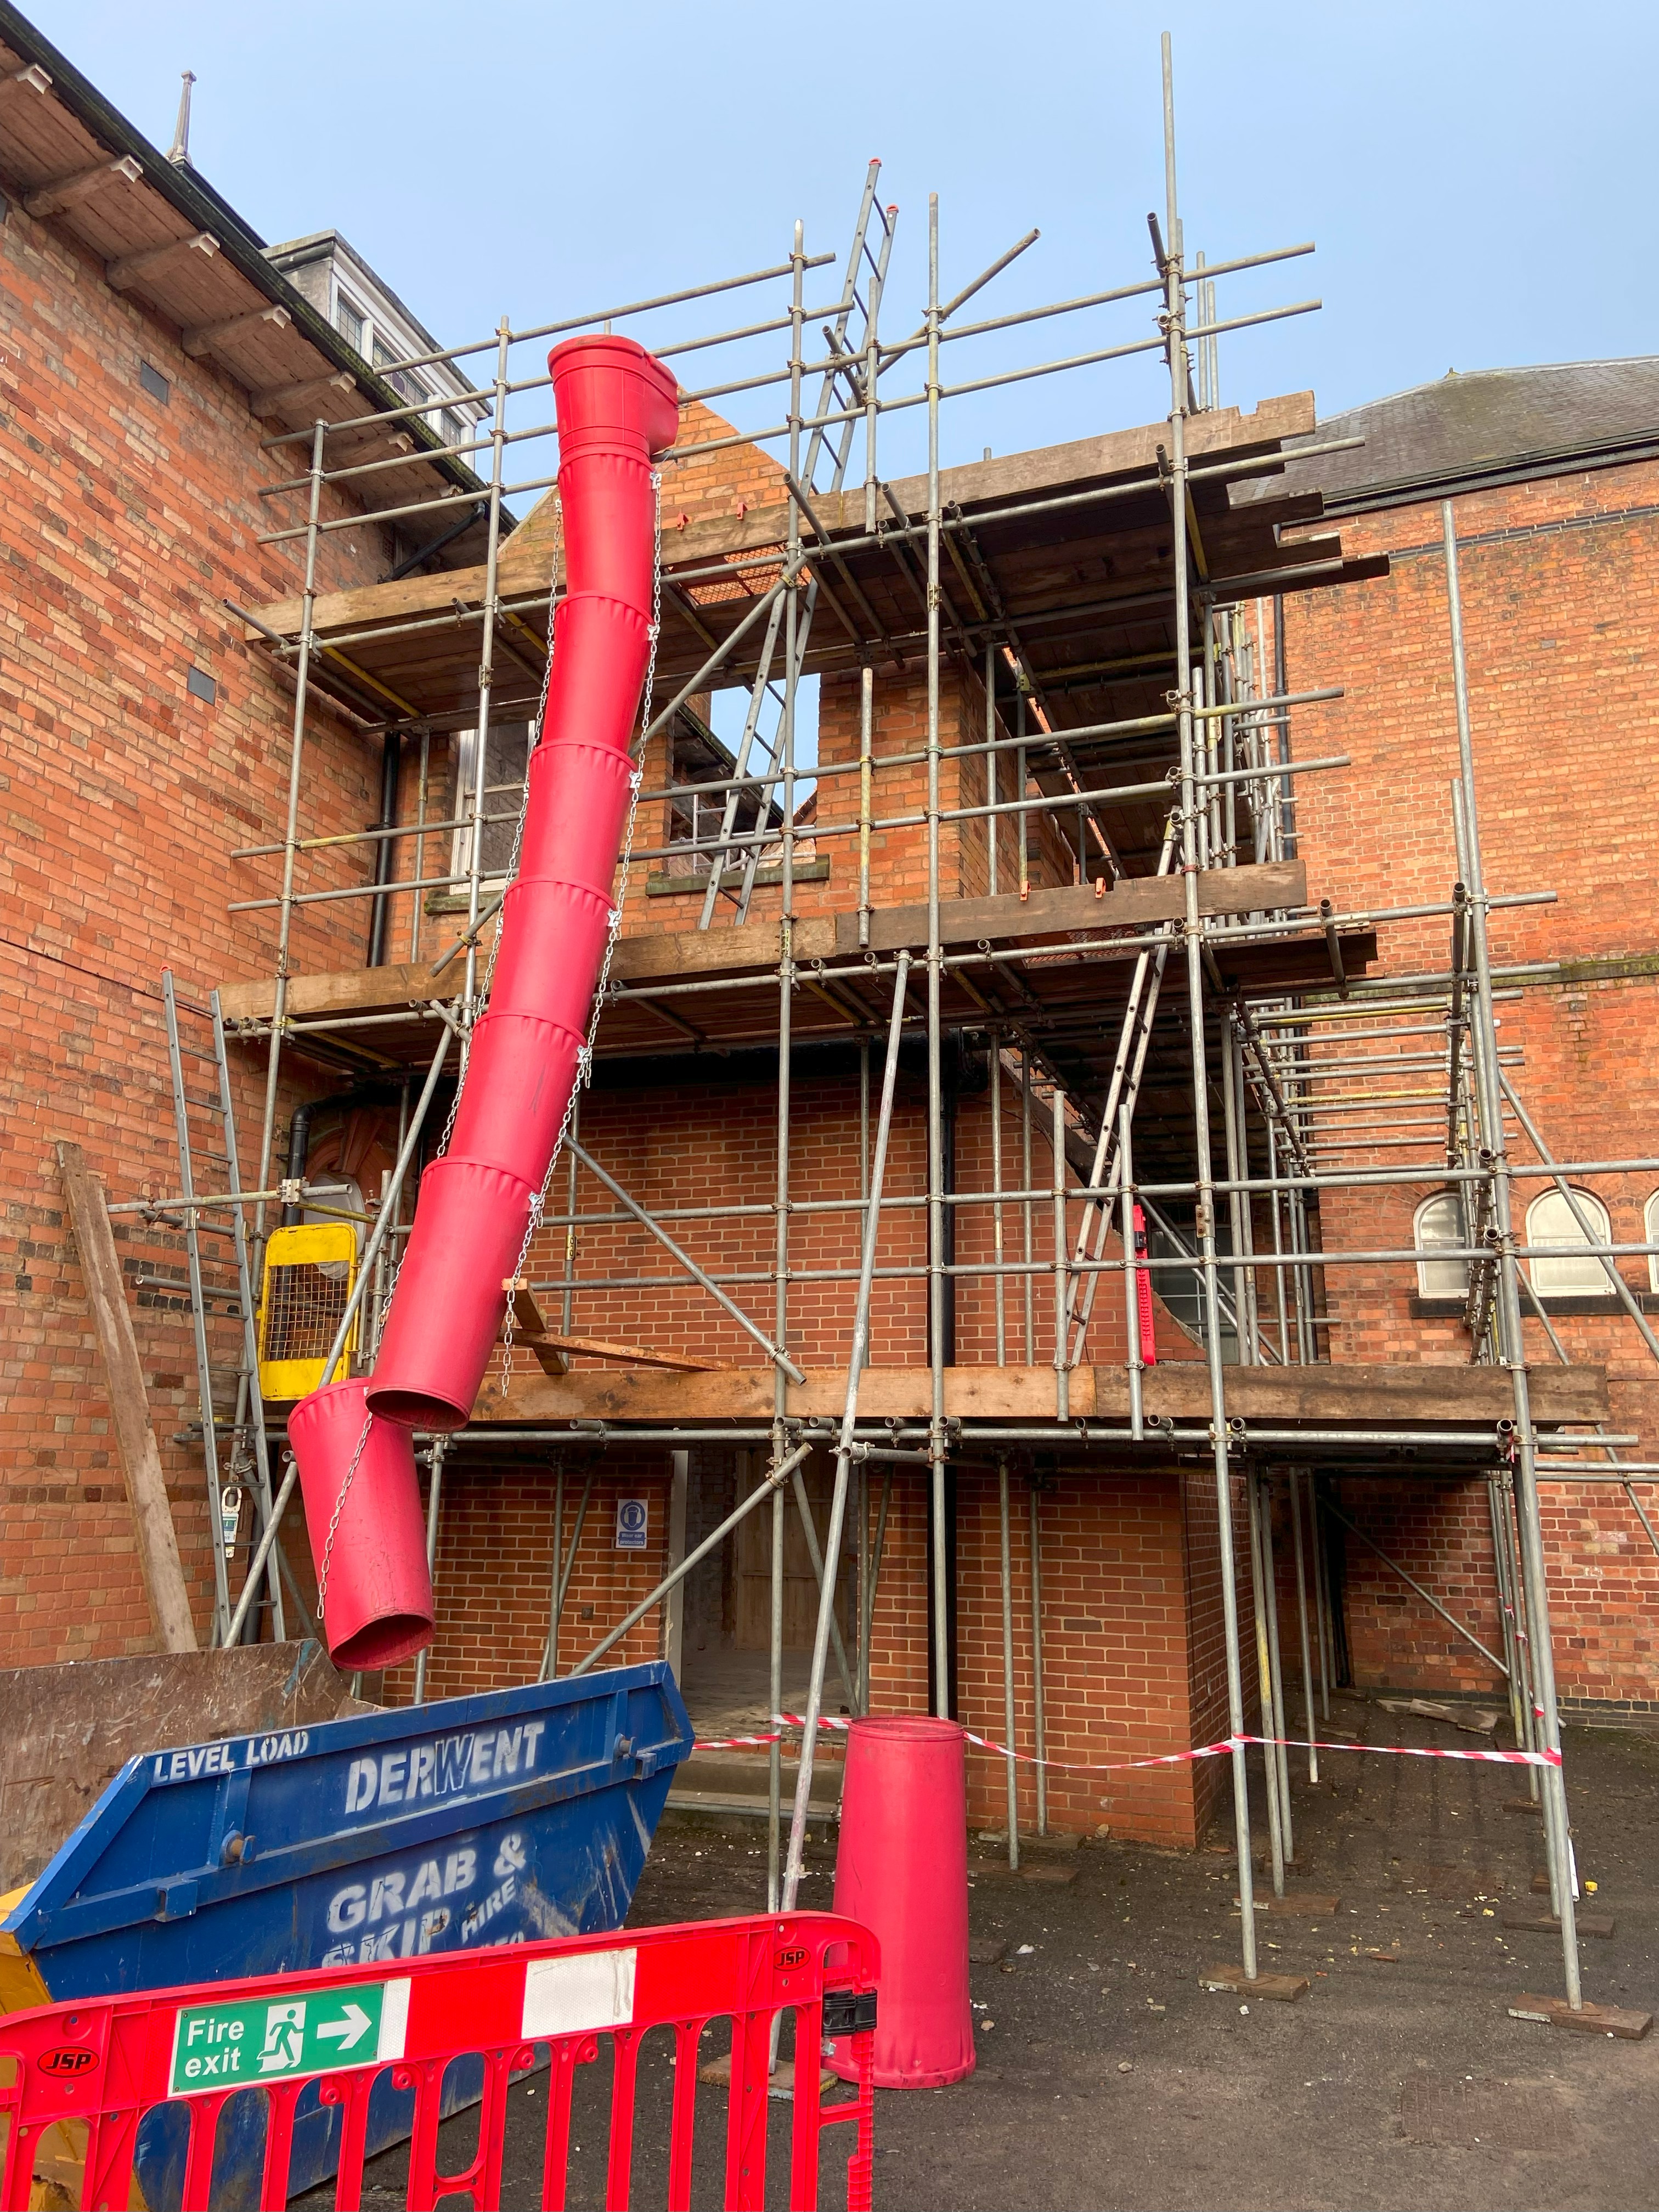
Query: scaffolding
1172	1022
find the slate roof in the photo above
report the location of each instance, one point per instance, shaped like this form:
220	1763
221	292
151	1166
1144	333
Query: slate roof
1485	426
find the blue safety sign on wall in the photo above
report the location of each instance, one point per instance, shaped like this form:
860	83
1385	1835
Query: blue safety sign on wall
631	1518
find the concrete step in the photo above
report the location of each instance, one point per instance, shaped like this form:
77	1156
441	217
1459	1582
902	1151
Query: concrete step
726	1790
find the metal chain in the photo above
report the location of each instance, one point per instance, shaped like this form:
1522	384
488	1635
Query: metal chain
512	865
585	1057
586	1061
481	997
334	1517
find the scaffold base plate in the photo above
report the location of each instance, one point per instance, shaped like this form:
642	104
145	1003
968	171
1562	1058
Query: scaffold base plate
1588	2018
1546	1924
1280	1989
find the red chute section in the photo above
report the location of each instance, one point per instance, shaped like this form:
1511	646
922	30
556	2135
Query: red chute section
374	1586
617	407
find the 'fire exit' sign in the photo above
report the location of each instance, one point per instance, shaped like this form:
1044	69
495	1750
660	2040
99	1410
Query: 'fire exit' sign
274	2039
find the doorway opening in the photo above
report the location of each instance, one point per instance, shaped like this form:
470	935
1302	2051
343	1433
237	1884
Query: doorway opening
726	1632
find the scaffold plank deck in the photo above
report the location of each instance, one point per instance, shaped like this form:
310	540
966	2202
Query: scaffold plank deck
754	947
527	556
1177	1390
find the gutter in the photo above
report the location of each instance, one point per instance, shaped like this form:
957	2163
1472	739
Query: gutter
1506	469
205	210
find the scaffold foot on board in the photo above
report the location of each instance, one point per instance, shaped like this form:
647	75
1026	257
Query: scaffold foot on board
1546	1923
1588	2018
1280	1989
780	2084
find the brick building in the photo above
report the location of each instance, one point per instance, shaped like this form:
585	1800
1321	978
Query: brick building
1073	1490
149	349
1553	474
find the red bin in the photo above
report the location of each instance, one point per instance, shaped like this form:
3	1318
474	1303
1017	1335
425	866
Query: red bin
901	1869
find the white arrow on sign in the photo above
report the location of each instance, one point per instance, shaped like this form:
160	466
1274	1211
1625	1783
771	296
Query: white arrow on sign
350	2030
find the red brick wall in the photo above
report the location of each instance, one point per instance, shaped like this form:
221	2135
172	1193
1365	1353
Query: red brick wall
1122	1602
126	524
708	1140
494	1571
1560	592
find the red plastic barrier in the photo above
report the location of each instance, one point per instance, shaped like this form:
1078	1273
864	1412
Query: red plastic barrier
105	2062
901	1869
617	407
378	1601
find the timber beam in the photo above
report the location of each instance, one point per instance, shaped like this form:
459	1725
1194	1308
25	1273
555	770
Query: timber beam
753	948
1474	1398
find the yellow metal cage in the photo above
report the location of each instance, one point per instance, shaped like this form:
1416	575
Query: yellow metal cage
307	1280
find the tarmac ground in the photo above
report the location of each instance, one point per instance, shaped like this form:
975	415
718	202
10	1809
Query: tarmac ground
1109	2077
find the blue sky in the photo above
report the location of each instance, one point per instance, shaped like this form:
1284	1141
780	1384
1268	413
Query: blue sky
1478	177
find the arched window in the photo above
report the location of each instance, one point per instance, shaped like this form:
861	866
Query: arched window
1650	1222
1439	1224
1551	1220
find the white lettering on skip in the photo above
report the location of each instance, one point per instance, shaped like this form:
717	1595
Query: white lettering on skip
441	1769
207	1759
389	1896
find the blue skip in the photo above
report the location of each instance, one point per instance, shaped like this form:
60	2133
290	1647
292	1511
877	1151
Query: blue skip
516	1814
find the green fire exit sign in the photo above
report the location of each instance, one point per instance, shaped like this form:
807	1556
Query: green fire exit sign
220	2046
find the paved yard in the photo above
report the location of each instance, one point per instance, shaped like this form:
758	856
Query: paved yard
1108	2077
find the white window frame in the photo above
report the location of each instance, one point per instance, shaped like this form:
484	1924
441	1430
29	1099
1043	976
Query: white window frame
460	850
1427	1287
1650	1227
1550	1221
362	343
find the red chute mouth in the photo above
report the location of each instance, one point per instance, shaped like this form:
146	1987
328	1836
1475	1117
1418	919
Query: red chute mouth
609	388
910	1728
384	1642
416	1409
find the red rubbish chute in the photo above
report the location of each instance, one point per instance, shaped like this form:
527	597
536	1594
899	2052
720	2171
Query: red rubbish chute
901	1858
617	407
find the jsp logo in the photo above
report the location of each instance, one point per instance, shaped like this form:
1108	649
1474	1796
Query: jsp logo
66	2059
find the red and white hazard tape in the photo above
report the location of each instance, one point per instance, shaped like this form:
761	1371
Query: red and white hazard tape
1228	1744
787	1721
1290	1743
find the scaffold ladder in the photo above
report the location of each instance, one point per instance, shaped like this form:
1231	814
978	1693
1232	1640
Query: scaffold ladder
246	1464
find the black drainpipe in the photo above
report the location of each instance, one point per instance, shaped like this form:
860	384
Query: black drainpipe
299	1130
391	756
298	1151
457	529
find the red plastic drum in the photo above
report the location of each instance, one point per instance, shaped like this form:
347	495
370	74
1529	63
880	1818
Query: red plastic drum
901	1869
